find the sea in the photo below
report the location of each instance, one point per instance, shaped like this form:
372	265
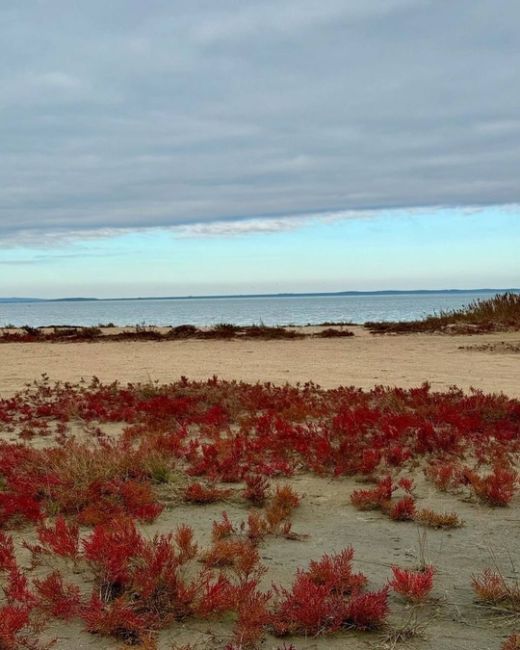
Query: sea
241	310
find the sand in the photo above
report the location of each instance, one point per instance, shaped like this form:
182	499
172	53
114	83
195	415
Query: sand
363	360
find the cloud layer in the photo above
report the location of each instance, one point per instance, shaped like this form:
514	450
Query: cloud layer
134	114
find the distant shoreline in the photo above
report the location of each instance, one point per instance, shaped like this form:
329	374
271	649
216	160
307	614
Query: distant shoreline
388	292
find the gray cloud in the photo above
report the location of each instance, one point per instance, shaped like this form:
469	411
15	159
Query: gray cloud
134	114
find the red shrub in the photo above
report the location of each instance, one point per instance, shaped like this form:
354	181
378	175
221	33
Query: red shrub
200	494
7	559
116	499
366	499
375	498
257	527
412	585
56	598
406	484
63	539
239	554
444	475
116	618
252	614
13	620
367	611
491	587
497	488
256	490
511	643
385	488
308	608
18	507
215	596
110	550
277	513
402	510
187	548
335	571
17	589
222	529
328	596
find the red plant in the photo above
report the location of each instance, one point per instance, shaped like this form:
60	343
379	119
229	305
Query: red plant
239	554
277	513
116	618
252	614
223	528
187	548
406	484
7	559
257	527
335	571
229	431
13	620
444	475
367	611
328	596
308	608
403	509
256	490
412	585
497	488
375	498
56	598
200	494
110	550
215	596
17	589
366	499
18	507
286	498
116	499
63	539
491	587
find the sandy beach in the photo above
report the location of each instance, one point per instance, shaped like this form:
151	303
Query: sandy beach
363	360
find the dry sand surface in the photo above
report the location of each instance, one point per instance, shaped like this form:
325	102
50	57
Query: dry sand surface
452	620
363	360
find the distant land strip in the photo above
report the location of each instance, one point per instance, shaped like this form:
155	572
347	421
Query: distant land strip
387	292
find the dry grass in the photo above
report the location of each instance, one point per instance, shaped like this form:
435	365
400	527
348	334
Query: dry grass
500	313
431	519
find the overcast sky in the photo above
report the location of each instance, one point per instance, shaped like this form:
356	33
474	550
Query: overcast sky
221	119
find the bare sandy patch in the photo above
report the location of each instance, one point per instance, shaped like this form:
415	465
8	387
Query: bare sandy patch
362	360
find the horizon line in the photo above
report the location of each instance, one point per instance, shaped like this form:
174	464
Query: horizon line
285	294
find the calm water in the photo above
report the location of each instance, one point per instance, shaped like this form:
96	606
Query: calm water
241	311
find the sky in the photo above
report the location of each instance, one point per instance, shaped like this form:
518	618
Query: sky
198	147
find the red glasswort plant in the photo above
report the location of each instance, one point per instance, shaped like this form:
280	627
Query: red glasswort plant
200	494
256	489
412	585
497	488
328	596
62	538
56	598
403	509
491	587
